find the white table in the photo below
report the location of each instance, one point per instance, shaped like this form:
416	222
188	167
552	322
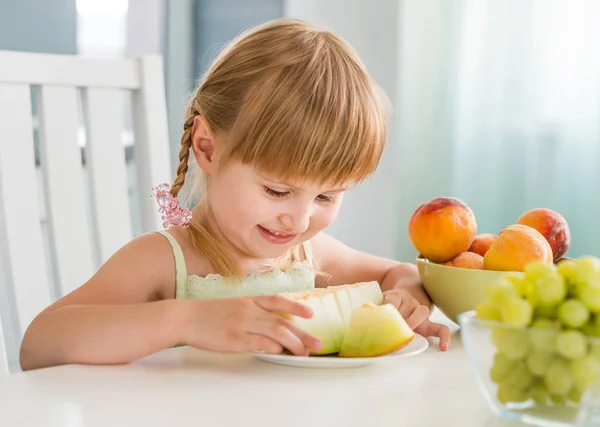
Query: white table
187	387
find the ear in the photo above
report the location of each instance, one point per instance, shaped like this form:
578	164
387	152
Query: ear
203	144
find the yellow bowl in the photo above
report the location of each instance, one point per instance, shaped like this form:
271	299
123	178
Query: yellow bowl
455	290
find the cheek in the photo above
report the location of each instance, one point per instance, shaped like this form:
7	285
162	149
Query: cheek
325	216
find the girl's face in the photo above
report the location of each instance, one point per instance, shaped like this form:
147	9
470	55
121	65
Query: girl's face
264	217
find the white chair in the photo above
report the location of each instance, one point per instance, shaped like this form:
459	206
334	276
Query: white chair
61	217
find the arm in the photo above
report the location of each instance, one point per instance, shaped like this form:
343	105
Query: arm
115	317
347	265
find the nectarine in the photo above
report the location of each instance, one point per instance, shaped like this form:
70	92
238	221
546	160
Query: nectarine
482	243
467	260
553	226
516	246
442	228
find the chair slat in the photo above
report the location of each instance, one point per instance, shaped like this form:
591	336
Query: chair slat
105	154
64	187
151	138
68	70
20	229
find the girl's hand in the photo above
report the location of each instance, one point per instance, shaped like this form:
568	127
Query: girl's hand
417	316
233	325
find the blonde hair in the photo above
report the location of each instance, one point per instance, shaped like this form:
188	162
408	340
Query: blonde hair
292	100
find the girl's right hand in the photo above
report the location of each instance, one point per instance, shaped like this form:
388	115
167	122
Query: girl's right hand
232	325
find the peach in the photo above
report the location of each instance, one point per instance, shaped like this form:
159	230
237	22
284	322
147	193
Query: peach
516	246
553	227
467	260
482	243
442	228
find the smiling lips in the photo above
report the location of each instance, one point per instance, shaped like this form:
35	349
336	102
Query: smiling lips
276	237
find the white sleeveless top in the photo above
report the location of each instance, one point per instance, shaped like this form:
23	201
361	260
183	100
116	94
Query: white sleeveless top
296	278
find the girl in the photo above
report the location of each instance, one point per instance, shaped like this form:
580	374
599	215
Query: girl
283	123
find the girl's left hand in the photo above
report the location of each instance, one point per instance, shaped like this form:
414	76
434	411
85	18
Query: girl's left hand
417	316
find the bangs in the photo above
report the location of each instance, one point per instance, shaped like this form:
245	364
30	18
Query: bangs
319	119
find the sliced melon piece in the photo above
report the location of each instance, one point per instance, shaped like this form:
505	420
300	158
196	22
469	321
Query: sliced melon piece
361	293
326	324
375	330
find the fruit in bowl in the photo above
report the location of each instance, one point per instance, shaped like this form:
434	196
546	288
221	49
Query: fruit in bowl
553	226
516	246
442	228
352	320
534	342
482	242
456	264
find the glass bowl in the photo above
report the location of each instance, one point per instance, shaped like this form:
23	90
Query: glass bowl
542	375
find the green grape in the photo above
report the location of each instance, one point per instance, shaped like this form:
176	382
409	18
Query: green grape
589	294
539	392
559	400
565	269
594	350
585	270
485	310
571	344
508	394
525	287
501	367
545	312
501	291
514	343
516	313
573	314
535	270
575	395
545	323
558	379
590	329
585	371
551	290
543	335
519	376
538	362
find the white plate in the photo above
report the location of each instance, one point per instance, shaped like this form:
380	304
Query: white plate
416	346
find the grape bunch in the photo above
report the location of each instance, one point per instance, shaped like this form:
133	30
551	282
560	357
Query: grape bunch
548	346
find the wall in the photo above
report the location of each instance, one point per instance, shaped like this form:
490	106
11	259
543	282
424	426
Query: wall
367	219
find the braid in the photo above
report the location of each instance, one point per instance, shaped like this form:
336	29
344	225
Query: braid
184	154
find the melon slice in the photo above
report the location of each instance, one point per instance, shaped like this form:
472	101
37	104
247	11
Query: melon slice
374	331
361	293
352	321
326	324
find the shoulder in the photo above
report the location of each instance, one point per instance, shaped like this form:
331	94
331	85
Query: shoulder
195	261
147	261
142	270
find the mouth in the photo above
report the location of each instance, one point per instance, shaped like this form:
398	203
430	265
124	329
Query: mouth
275	236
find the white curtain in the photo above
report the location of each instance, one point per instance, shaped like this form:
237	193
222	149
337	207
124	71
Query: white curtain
499	105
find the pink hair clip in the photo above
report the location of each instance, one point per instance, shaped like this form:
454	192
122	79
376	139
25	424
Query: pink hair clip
171	213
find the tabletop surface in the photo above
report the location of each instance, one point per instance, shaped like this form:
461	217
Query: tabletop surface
185	386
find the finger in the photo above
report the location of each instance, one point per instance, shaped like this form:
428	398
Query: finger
418	316
443	332
285	334
430	329
404	305
263	344
285	305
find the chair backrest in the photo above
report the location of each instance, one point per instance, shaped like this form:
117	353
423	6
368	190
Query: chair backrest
65	175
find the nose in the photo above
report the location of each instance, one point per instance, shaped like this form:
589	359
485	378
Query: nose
296	219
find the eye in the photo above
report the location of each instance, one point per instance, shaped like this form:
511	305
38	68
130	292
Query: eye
275	193
327	199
